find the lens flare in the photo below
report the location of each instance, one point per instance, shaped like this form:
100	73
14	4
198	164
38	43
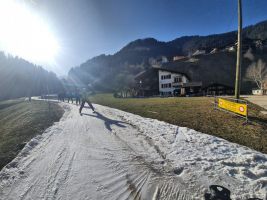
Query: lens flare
25	34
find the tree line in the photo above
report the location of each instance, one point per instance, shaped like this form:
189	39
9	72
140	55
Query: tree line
20	78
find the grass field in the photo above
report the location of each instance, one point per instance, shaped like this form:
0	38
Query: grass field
20	121
197	113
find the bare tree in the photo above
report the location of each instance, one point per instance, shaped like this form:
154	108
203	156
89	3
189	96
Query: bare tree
257	72
249	55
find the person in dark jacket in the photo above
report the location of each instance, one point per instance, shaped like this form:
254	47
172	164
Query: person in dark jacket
85	99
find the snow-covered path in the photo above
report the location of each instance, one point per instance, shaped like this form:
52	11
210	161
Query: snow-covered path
112	154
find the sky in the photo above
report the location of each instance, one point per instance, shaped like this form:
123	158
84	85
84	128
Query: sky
73	31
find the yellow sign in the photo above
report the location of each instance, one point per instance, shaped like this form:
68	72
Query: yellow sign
239	108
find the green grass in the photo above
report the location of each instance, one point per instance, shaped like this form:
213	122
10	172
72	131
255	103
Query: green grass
20	121
197	113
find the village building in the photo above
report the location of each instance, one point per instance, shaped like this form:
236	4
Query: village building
191	89
199	52
257	91
230	48
215	50
170	81
262	91
175	58
165	82
216	89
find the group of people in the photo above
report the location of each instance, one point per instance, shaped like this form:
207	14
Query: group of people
80	97
70	96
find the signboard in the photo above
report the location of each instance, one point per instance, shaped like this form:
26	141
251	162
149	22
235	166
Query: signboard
238	108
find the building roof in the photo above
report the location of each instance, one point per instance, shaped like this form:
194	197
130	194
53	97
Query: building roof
173	71
178	57
217	85
199	52
192	84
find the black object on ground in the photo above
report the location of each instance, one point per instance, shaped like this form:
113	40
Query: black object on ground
218	192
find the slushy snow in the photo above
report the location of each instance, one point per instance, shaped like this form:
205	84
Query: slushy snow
113	154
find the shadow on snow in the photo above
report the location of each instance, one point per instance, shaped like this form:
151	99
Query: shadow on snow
107	121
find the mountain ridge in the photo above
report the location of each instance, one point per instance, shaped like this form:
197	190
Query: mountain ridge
135	56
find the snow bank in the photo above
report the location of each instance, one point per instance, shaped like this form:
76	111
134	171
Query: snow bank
201	159
15	169
80	158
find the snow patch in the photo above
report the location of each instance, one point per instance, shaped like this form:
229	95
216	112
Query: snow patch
201	159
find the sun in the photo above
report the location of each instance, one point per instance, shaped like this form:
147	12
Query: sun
25	34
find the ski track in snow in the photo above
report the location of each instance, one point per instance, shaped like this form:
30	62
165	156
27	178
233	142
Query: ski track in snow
113	154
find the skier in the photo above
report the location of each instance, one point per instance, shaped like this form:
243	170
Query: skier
85	98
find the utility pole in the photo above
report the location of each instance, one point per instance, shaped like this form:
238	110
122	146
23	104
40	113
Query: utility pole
239	52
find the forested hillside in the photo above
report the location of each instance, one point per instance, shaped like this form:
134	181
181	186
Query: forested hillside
20	78
111	72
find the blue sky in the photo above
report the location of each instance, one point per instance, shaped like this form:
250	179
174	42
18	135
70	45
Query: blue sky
87	28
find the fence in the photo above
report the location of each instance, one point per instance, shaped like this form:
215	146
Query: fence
236	107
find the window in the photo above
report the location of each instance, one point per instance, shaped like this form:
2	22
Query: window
178	79
165	76
166	85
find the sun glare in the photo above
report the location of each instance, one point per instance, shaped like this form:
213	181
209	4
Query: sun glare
25	34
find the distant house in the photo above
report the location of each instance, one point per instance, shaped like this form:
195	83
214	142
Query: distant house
230	49
262	91
199	52
170	81
215	50
173	83
175	58
165	82
258	92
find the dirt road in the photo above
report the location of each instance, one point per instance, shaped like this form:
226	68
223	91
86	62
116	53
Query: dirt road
259	100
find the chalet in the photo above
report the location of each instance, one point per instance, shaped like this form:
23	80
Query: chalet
165	82
170	81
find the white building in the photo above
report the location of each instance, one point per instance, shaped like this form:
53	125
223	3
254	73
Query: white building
215	50
170	81
199	52
257	92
